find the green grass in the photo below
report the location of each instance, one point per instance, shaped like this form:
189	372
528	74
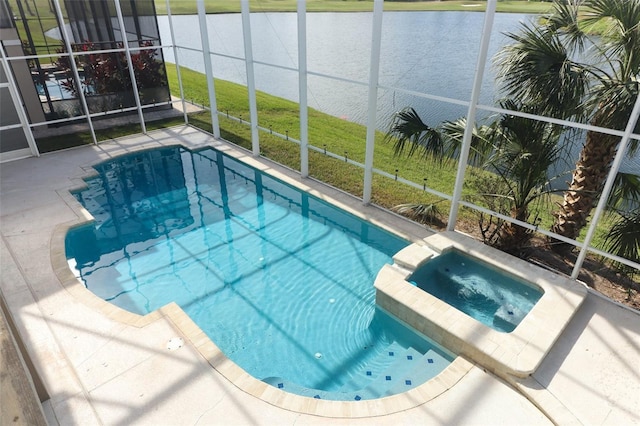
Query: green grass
338	135
231	6
40	18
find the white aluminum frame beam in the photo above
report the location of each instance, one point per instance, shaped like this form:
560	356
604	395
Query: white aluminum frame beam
471	114
604	196
206	52
74	68
251	80
302	88
374	76
132	73
177	62
16	99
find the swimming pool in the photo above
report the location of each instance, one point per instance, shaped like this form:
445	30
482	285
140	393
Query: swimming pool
281	281
492	297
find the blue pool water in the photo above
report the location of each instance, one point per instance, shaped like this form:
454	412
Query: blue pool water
480	291
281	281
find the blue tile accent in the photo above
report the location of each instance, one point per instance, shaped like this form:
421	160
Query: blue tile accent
358	398
317	397
407	382
409	357
368	373
387	377
391	354
430	360
280	385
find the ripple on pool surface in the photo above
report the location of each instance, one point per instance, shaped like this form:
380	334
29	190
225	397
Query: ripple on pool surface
274	276
493	297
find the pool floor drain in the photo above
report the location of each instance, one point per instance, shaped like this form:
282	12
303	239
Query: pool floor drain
175	343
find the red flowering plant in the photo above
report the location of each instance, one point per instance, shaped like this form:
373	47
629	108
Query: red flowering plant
108	73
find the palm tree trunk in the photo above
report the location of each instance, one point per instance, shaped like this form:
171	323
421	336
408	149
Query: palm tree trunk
513	238
587	182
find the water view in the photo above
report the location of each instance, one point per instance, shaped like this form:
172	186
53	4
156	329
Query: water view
421	51
433	52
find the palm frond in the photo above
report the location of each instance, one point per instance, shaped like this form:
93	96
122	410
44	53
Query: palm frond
481	146
564	20
614	100
621	40
626	191
537	70
624	237
524	151
410	134
424	213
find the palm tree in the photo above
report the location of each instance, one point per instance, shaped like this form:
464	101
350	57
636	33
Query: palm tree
523	152
516	150
541	68
410	135
623	239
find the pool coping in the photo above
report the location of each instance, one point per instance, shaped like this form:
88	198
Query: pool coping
518	353
414	397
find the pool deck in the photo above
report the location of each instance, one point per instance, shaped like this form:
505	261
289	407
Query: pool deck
100	365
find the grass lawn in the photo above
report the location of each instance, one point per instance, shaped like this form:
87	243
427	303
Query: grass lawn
339	136
40	17
229	6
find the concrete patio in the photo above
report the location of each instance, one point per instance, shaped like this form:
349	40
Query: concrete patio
100	365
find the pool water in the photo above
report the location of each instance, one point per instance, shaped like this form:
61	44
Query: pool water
282	282
493	297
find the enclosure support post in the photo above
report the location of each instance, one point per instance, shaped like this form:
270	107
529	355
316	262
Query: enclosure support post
74	69
132	73
302	88
374	68
175	58
18	103
206	51
471	114
604	196
251	81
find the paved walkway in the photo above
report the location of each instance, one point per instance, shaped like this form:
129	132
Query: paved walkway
101	371
594	368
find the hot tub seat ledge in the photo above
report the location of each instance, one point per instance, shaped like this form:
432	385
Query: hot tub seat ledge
518	353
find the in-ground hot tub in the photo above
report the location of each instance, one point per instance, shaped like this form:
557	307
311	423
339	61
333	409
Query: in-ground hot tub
518	352
488	294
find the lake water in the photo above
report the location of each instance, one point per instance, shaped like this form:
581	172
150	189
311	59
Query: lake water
432	52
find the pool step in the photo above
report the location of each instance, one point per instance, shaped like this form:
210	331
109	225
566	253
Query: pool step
373	368
291	387
395	375
409	369
393	371
427	367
